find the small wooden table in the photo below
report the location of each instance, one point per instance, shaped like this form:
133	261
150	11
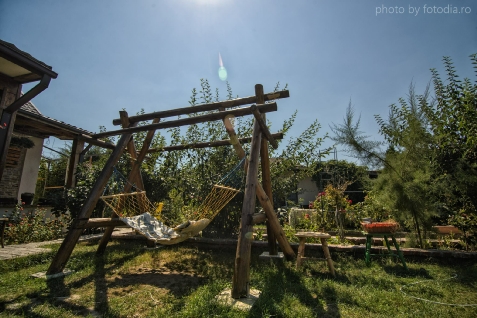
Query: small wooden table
2	229
390	253
301	249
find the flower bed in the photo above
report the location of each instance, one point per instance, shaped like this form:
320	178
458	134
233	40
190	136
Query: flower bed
380	227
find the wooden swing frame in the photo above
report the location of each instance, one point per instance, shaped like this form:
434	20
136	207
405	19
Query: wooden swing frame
260	138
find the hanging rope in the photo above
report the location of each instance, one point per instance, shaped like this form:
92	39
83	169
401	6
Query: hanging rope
128	204
131	204
222	193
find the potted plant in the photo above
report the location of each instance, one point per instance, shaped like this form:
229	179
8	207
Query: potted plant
22	142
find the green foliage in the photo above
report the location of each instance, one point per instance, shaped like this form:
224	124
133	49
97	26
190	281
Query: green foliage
454	152
333	200
373	208
34	227
430	165
403	184
467	223
86	176
335	171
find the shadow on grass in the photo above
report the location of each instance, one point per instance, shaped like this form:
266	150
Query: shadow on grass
399	271
59	292
284	282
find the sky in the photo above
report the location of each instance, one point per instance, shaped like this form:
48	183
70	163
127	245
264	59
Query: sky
150	54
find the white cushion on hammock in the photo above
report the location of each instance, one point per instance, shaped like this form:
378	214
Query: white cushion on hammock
154	229
150	227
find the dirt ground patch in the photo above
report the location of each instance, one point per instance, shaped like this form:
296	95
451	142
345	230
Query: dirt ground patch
177	283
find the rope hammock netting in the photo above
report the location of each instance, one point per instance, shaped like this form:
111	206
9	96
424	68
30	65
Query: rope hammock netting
137	211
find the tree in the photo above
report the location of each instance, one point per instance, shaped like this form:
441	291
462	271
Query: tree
403	184
454	150
430	164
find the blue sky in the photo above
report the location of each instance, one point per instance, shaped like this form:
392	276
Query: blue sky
149	54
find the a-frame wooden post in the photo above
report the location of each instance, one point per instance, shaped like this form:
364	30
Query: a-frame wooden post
133	177
241	279
134	174
262	198
240	284
266	177
66	248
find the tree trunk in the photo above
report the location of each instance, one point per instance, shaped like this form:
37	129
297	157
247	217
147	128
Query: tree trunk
416	224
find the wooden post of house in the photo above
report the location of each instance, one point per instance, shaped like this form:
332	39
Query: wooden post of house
66	248
76	150
266	177
11	91
241	279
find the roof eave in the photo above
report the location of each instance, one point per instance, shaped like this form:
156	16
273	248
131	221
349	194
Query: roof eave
21	60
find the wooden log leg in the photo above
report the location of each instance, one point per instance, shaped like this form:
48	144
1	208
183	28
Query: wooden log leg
301	252
64	252
326	251
106	237
262	198
61	258
266	175
241	278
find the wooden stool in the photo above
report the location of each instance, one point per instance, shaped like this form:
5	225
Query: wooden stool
2	229
301	249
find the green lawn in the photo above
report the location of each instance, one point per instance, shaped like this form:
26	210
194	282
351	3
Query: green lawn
182	281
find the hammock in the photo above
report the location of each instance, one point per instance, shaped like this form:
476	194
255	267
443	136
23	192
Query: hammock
138	212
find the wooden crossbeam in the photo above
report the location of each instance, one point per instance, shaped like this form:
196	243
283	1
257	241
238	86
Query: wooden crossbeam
97	222
207	144
205	107
265	108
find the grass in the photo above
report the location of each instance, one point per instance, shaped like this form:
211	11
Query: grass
183	281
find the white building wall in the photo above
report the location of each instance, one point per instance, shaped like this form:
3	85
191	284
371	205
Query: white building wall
31	167
309	191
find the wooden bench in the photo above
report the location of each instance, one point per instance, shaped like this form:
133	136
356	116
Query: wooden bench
2	229
301	248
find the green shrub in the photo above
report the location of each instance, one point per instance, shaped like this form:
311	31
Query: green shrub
33	227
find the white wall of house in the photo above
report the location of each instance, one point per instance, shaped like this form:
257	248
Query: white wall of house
308	192
31	167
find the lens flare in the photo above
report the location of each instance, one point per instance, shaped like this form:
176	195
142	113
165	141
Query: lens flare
222	70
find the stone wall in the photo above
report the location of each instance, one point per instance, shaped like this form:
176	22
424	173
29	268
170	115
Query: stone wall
12	173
